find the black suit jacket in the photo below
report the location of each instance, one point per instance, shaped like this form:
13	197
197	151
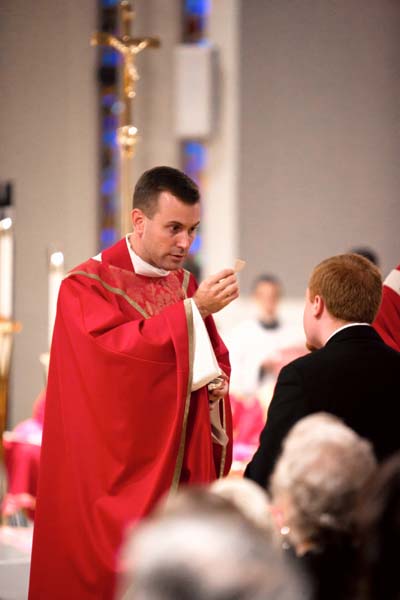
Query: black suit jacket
355	376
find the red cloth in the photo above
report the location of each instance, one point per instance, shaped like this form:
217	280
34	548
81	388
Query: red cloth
22	455
248	421
38	409
115	421
22	464
387	322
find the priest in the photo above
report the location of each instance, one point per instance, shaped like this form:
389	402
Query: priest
137	401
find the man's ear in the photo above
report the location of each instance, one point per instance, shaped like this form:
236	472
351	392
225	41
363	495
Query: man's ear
138	220
318	306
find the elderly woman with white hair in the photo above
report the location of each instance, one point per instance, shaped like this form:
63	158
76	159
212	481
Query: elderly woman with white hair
315	487
199	546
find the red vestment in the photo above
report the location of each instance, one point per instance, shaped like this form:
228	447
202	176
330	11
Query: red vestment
387	321
121	425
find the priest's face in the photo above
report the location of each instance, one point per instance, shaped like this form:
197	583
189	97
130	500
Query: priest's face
164	239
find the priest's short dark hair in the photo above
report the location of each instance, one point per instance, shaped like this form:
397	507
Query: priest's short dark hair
163	179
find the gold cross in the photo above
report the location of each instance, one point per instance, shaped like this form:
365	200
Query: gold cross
129	47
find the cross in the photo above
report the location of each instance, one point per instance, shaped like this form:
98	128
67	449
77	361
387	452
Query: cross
129	47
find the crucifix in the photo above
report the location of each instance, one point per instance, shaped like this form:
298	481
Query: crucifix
128	47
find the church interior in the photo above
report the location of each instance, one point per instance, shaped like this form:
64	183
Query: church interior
286	114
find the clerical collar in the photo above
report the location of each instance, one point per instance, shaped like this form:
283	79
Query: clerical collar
140	266
269	325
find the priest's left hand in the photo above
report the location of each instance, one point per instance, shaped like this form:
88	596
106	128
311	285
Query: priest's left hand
221	391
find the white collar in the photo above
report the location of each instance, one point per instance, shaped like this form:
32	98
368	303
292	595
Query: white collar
345	327
140	266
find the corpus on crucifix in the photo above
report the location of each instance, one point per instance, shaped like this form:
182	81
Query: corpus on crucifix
128	47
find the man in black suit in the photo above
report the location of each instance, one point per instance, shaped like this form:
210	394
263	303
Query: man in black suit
350	372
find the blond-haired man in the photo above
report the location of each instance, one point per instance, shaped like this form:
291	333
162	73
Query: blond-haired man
351	372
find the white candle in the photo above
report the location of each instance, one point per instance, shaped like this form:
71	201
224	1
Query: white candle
56	275
6	268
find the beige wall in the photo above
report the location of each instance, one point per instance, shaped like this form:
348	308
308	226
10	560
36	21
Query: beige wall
320	138
154	106
48	129
220	206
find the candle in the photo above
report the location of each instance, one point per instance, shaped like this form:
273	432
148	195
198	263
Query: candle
56	275
6	268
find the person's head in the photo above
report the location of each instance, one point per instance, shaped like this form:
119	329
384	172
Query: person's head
379	523
317	480
342	289
248	497
366	252
165	217
204	553
266	292
195	499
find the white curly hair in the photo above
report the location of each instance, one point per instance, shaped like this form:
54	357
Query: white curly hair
322	469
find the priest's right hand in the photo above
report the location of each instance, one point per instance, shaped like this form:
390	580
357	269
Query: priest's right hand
216	292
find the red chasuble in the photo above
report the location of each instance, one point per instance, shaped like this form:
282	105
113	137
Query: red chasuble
121	425
387	321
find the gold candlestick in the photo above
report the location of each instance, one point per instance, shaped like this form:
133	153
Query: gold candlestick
7	327
7	330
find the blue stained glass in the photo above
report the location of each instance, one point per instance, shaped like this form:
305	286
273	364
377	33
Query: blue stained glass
117	107
204	43
110	206
110	138
109	186
108	99
110	122
108	172
195	156
110	62
108	236
110	58
197	243
198	7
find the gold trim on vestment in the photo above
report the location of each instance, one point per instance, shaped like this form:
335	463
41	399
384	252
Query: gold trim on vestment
223	453
185	282
112	289
179	461
189	322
